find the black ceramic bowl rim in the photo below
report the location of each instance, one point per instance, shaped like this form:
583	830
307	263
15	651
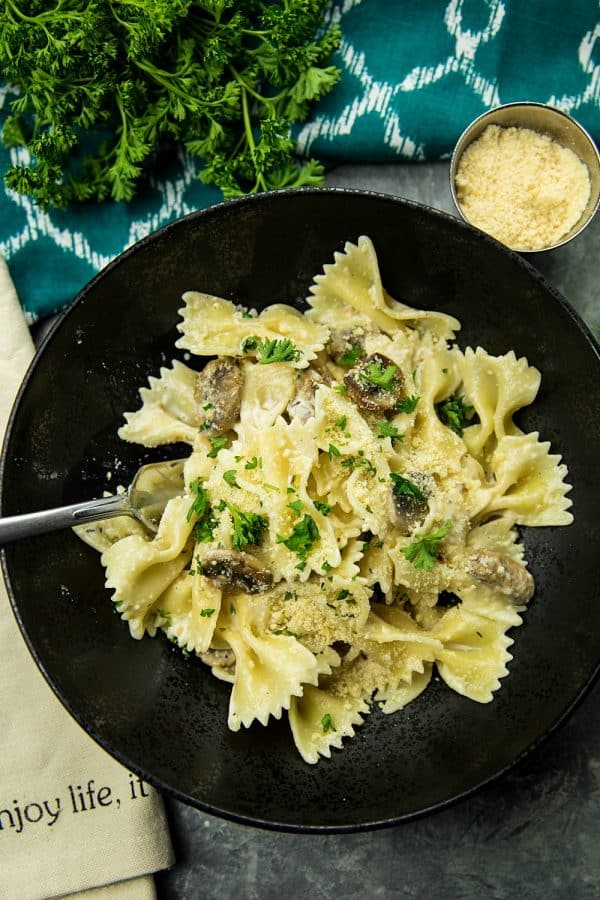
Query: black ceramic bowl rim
160	783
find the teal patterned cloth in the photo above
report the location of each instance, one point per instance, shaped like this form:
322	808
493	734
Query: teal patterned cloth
414	74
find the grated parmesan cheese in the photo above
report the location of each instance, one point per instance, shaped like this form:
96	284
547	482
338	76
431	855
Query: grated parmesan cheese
522	187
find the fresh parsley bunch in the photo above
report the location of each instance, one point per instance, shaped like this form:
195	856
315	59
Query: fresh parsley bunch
104	84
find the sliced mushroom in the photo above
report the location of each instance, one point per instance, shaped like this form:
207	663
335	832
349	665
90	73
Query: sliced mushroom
302	405
503	573
218	394
222	659
409	511
365	392
343	341
239	570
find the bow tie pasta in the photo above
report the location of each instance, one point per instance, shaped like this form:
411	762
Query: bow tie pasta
349	522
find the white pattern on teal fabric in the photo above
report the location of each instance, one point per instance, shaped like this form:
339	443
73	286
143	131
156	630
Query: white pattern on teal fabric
591	94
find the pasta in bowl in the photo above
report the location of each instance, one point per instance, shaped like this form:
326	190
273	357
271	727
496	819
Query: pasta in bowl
355	485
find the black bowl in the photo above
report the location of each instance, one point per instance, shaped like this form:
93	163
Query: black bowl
165	717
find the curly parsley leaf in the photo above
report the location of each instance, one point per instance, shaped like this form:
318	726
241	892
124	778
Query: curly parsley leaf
327	723
272	351
302	538
201	510
407	404
402	485
376	375
386	429
230	477
216	444
455	413
105	87
248	527
350	357
422	552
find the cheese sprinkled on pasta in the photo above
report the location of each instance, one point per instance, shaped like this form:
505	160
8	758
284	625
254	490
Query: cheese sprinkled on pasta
349	523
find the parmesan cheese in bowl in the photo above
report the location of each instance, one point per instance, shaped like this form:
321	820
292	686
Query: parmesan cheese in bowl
527	174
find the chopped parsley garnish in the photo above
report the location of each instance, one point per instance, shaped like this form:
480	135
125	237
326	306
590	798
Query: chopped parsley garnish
339	388
297	506
248	527
302	538
198	570
386	429
455	413
255	462
350	356
201	510
357	462
200	501
205	527
249	344
270	487
326	566
422	553
402	485
327	723
378	376
272	351
332	451
341	422
183	648
206	613
323	508
229	477
217	443
343	594
166	616
407	404
208	406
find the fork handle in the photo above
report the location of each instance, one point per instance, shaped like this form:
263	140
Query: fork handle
14	527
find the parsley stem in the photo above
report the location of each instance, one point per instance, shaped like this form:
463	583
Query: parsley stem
245	86
260	181
47	14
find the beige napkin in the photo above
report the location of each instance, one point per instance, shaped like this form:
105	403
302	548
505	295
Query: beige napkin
71	818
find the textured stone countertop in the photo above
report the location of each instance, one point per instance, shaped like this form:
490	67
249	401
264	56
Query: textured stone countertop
531	834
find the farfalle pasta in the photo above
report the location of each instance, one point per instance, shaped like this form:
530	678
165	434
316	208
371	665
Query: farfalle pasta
352	496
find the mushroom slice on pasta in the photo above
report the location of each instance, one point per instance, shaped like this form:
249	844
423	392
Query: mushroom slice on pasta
474	655
168	412
212	326
350	292
320	721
